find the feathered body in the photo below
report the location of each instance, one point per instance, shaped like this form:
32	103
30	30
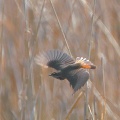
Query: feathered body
67	68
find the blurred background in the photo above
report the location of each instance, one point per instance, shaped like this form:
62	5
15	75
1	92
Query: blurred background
87	28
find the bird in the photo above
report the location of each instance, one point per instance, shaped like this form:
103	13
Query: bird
74	70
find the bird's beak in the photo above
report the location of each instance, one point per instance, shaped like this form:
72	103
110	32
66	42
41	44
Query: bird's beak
50	75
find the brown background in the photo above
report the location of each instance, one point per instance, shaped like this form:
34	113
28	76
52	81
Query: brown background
91	29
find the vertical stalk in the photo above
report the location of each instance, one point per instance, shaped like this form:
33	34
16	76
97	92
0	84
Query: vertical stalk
104	95
89	54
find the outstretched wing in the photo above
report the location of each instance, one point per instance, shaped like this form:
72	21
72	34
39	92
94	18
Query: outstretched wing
78	78
55	59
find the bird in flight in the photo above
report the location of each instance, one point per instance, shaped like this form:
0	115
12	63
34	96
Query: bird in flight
75	71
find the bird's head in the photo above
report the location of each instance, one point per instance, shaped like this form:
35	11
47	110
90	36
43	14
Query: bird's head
53	74
84	63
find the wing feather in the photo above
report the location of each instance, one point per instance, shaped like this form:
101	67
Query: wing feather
78	78
55	59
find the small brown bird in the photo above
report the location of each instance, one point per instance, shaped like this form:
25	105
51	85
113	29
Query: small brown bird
67	68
